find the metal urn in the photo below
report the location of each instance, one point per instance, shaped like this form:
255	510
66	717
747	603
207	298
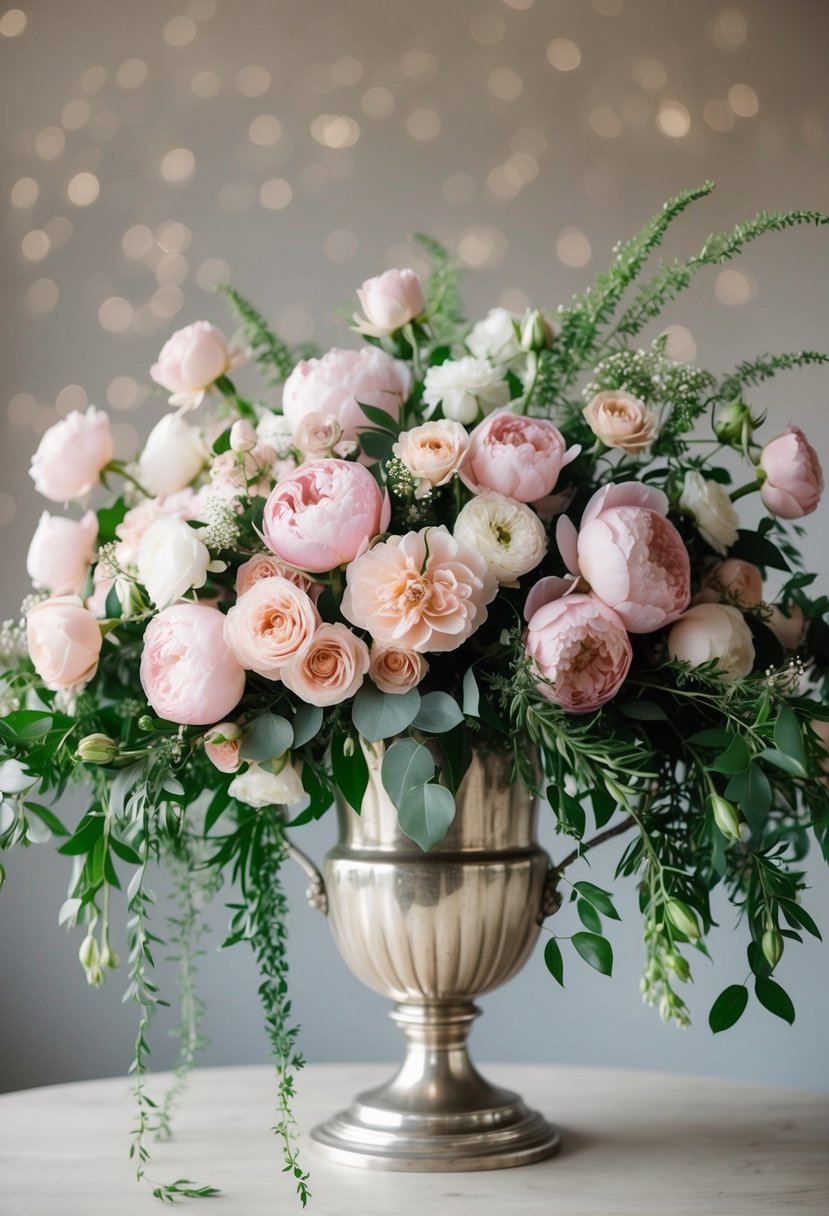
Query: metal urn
432	931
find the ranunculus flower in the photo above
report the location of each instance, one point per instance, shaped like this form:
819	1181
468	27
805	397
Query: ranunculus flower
331	669
517	456
712	509
581	650
396	670
262	787
263	565
72	454
788	625
631	555
424	591
432	453
320	516
64	642
713	631
221	746
508	535
172	456
735	581
272	623
389	302
61	552
340	380
467	388
794	479
621	421
188	672
171	560
496	338
191	360
317	435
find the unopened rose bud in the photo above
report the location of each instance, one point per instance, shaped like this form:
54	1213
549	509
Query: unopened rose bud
225	732
97	749
536	332
725	817
772	946
89	953
683	918
243	437
734	424
678	965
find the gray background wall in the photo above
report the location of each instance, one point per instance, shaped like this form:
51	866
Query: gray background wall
456	119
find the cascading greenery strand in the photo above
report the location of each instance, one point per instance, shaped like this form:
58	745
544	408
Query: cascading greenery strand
764	367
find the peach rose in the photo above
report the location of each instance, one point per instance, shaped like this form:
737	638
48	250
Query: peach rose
72	454
793	477
317	435
516	456
340	380
64	642
432	453
714	631
735	581
395	670
621	421
61	552
262	565
221	746
581	650
389	302
331	669
269	625
191	360
188	673
424	591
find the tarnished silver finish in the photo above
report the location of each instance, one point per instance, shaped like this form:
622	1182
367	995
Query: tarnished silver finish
432	931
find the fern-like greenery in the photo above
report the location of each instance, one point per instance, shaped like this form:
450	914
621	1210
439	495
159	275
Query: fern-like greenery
444	305
276	357
764	367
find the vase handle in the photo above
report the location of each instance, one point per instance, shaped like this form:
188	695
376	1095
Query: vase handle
316	893
550	898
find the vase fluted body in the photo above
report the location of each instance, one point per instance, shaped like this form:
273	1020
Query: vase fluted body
432	931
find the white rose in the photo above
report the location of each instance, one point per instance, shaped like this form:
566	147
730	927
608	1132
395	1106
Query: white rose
173	455
508	535
712	509
171	560
496	338
467	387
261	787
713	631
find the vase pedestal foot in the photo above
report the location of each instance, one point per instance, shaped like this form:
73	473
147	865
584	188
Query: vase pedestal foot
438	1113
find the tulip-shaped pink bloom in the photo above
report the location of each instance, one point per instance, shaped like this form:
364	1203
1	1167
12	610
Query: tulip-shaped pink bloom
580	649
191	360
516	456
389	301
64	642
794	478
320	516
188	672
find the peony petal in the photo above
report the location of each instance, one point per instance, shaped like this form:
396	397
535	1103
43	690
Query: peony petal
546	591
567	541
625	494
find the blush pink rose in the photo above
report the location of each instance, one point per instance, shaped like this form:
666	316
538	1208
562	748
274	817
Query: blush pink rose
734	581
221	746
64	642
318	435
794	479
516	456
395	670
191	360
188	672
262	565
320	516
389	302
331	669
581	650
432	453
61	552
72	454
425	591
270	624
621	421
336	383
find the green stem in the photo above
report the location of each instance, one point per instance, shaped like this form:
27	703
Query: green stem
749	488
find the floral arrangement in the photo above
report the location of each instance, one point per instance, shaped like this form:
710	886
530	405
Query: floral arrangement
516	535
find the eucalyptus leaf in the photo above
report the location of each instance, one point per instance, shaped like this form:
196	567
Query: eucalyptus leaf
438	713
266	738
380	715
471	695
306	724
406	764
425	814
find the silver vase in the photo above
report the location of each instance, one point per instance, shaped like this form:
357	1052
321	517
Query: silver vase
431	931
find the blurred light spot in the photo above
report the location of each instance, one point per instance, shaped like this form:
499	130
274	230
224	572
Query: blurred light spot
137	241
423	125
8	509
167	301
202	10
335	131
729	29
733	287
487	28
743	100
680	345
212	271
341	245
126	440
505	84
35	245
71	397
115	315
24	192
673	119
172	268
83	189
608	8
132	73
123	393
265	130
564	54
605	122
75	114
177	165
12	23
458	188
93	79
103	125
179	31
236	198
173	237
50	143
482	245
650	74
145	321
377	102
503	182
252	81
718	114
347	71
418	65
514	299
276	194
295	324
22	409
59	230
573	248
520	5
531	140
205	84
42	296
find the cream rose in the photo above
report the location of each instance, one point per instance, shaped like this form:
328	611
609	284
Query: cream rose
622	421
331	669
496	338
713	631
432	453
395	670
466	388
713	511
171	560
508	535
173	455
272	623
318	434
262	787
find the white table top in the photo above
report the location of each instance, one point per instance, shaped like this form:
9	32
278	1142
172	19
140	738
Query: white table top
634	1143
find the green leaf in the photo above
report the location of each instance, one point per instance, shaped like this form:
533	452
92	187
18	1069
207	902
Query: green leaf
775	999
728	1007
796	915
752	547
108	520
713	737
735	759
438	713
376	444
306	724
588	916
554	960
595	950
86	834
380	715
112	607
320	793
406	764
598	897
124	851
55	826
266	738
787	764
456	755
425	814
644	711
604	805
350	771
471	695
380	418
752	792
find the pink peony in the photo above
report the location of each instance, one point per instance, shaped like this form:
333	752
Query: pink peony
191	360
269	625
188	673
340	380
424	591
395	670
221	746
794	479
72	454
581	650
61	553
262	565
64	642
331	669
516	456
389	302
320	516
